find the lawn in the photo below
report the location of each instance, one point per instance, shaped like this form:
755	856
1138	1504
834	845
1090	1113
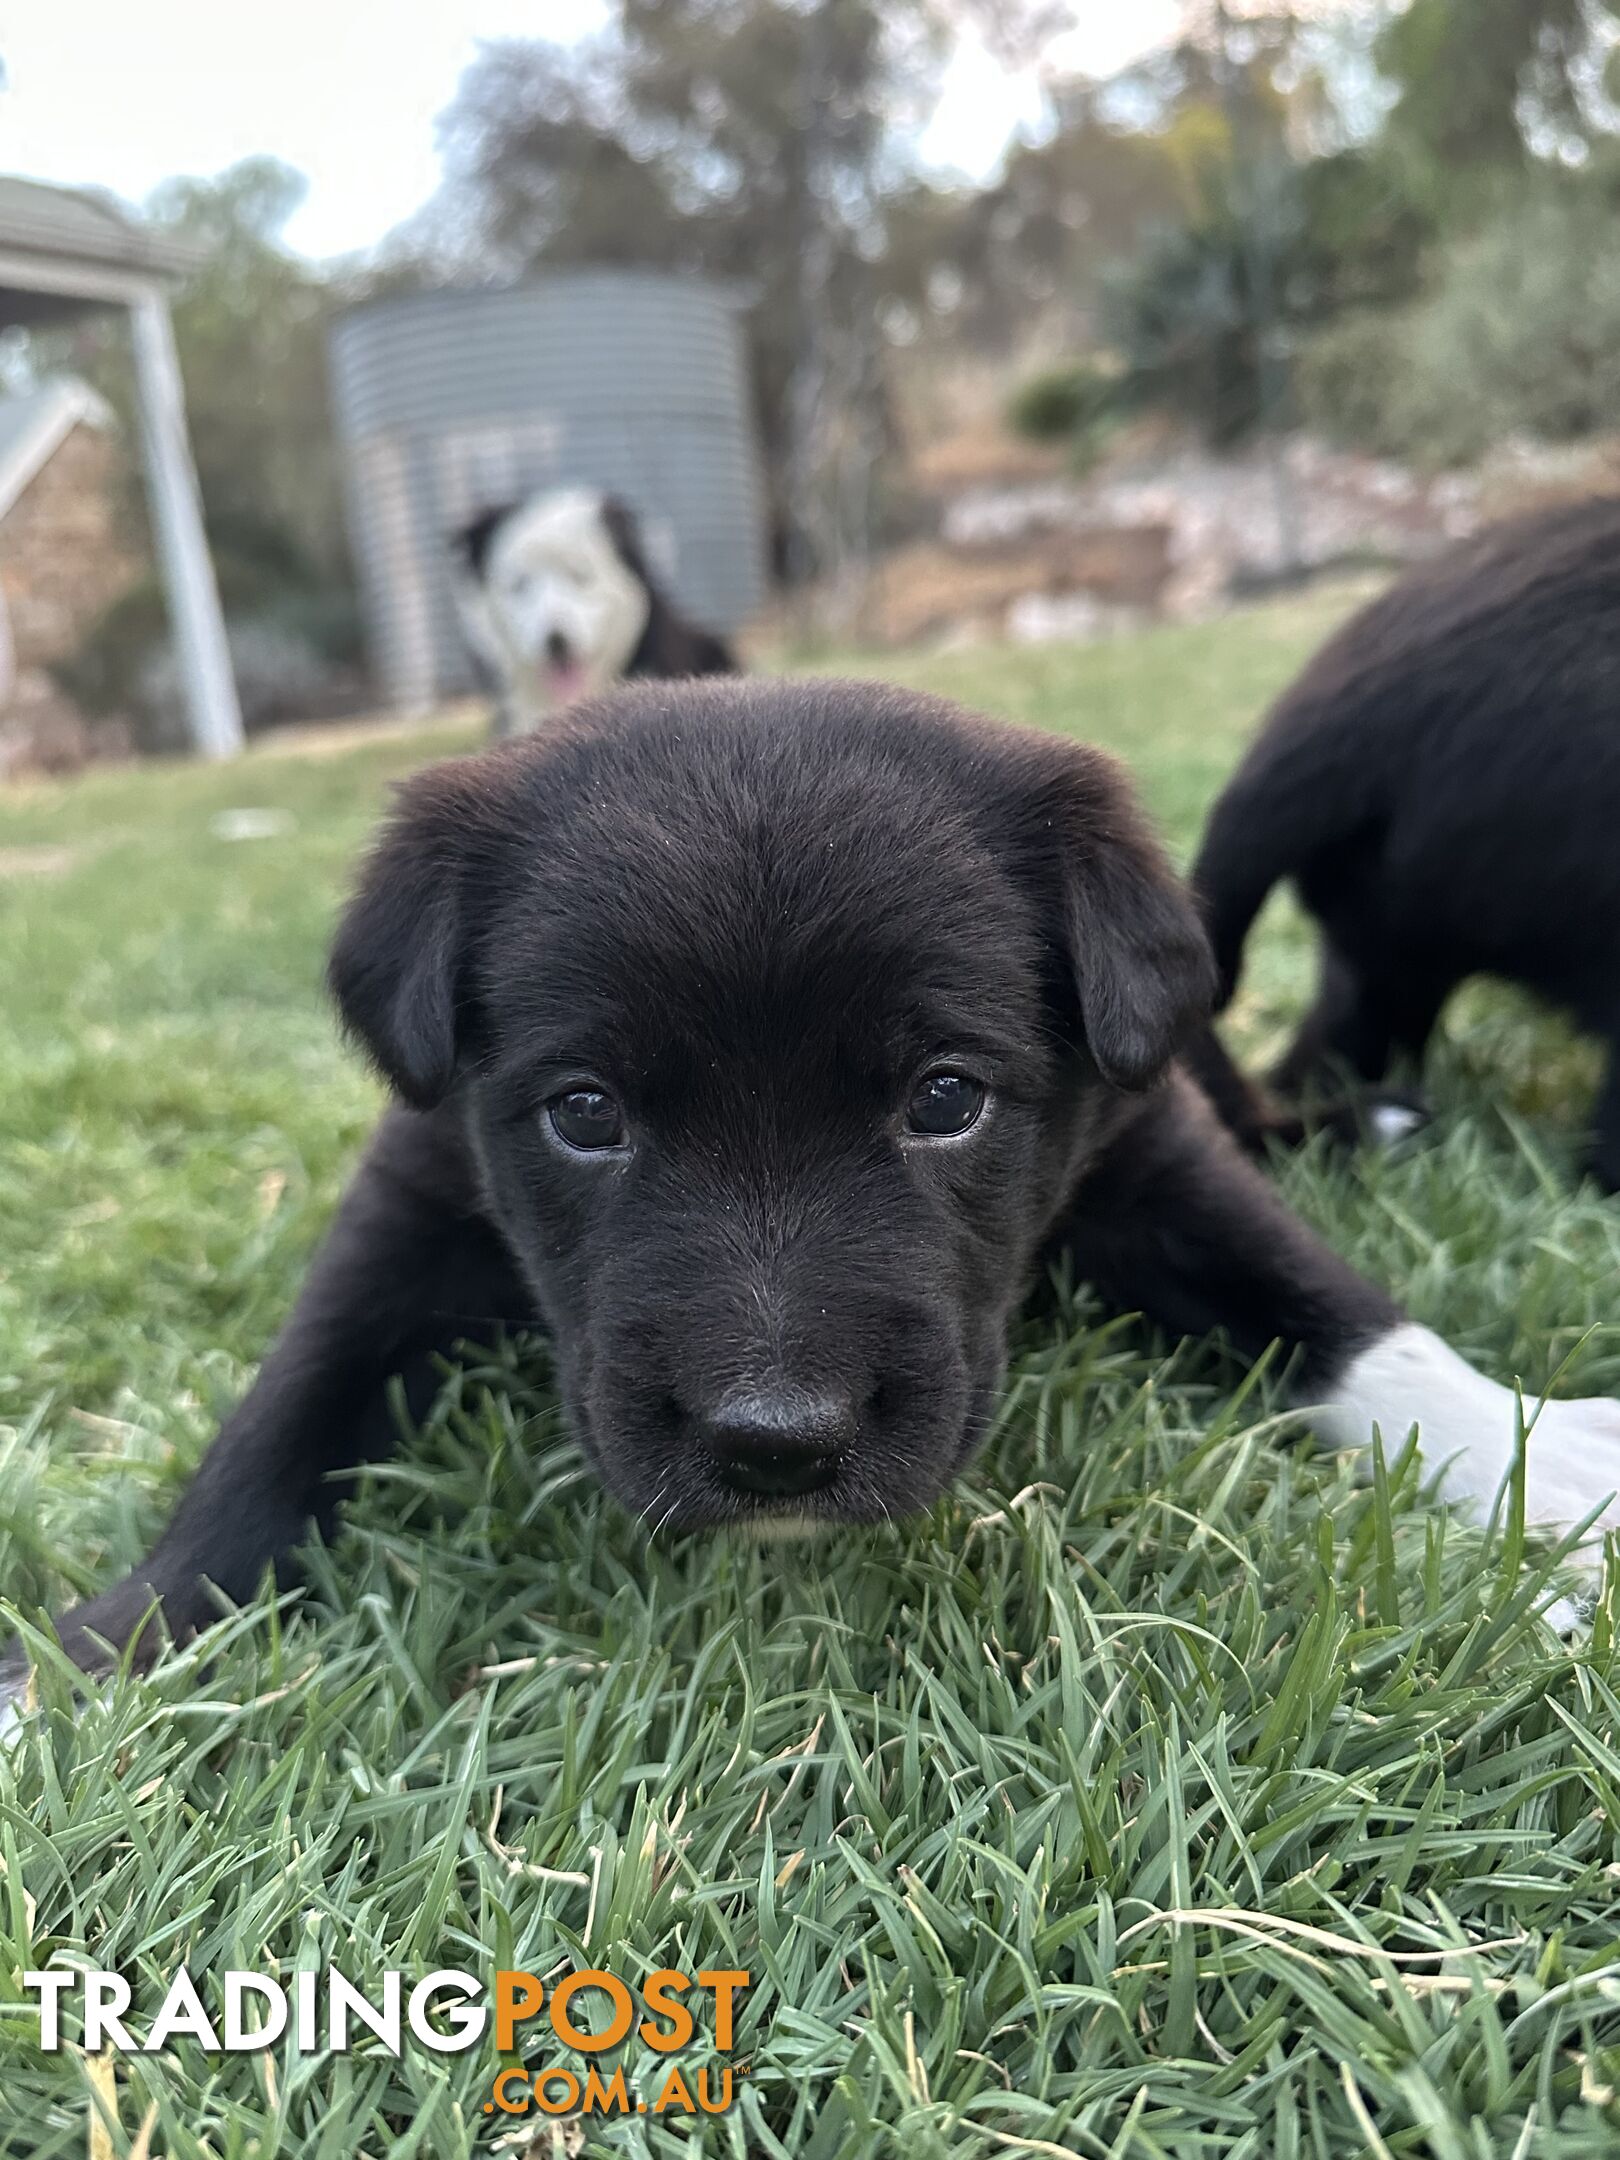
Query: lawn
1162	1792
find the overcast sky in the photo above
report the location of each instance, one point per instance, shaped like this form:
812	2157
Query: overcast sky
122	93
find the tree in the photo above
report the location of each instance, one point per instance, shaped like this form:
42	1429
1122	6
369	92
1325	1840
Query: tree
1516	333
1034	243
1481	84
1269	236
251	327
250	323
759	141
1196	310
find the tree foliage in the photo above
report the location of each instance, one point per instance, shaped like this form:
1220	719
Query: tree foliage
1040	234
1484	84
1518	335
251	327
772	143
752	140
1277	237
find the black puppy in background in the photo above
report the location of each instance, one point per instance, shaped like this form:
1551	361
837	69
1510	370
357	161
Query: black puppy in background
759	1042
558	600
1442	784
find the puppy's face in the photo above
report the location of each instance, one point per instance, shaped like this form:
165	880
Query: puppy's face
783	1021
566	609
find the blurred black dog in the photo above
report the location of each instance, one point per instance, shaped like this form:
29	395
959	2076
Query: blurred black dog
758	1041
1443	786
558	600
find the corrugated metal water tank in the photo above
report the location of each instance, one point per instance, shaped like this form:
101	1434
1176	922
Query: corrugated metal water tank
448	403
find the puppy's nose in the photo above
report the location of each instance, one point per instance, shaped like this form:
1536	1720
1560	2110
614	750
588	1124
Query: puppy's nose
558	650
779	1443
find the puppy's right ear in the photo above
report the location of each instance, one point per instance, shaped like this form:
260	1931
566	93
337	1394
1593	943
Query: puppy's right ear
1139	958
399	966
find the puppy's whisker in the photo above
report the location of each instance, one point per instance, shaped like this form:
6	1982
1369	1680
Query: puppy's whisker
658	1492
664	1520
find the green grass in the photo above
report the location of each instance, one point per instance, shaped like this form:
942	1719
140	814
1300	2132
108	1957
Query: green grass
1162	1792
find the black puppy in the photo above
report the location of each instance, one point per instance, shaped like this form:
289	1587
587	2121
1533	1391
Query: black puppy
758	1041
1443	786
558	600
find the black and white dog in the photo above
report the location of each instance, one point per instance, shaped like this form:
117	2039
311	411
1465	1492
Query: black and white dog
558	600
1442	785
759	1042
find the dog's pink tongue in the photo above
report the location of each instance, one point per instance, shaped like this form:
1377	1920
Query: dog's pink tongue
566	682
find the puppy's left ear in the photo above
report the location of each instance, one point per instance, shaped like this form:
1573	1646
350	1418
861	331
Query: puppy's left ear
399	969
1141	962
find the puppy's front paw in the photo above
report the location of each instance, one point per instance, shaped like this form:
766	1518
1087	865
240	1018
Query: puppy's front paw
1392	1118
15	1679
1468	1431
1354	1121
1573	1461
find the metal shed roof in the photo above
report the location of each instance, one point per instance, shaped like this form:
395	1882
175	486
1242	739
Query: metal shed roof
86	229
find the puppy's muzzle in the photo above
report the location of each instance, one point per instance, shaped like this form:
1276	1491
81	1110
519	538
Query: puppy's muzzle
778	1444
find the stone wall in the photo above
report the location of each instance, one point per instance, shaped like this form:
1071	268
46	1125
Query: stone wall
64	552
65	556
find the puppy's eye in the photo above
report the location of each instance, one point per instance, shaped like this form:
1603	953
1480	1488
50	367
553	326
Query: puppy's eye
587	1119
944	1104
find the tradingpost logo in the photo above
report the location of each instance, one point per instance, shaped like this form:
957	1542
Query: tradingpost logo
575	2016
668	2027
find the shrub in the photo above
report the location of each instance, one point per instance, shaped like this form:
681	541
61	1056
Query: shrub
1351	382
1061	403
1520	335
278	677
293	645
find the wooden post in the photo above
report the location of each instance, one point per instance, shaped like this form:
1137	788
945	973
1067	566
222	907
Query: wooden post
188	572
